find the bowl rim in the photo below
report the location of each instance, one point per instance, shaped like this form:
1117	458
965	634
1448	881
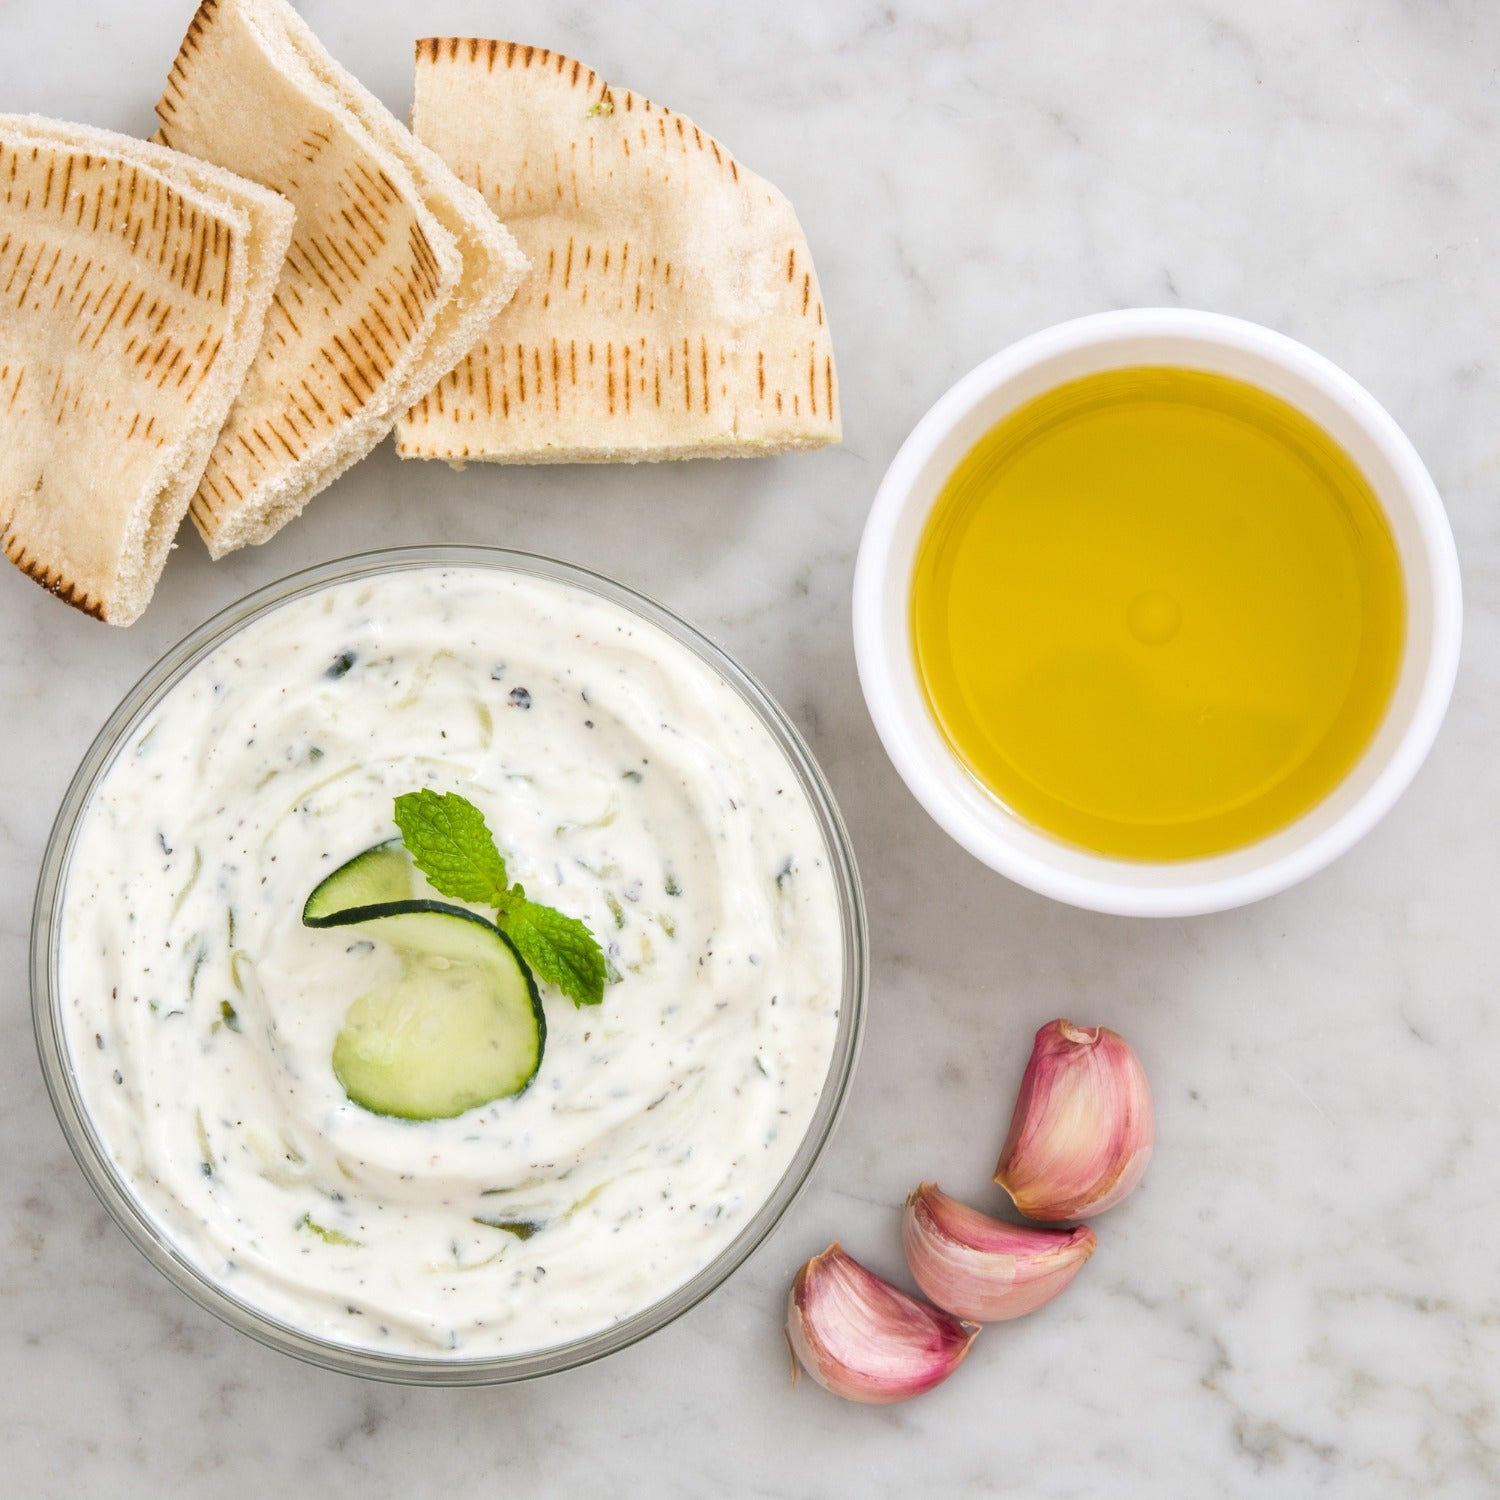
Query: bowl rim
1203	885
91	1153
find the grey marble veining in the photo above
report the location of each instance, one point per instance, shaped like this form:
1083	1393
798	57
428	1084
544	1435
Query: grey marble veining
1302	1298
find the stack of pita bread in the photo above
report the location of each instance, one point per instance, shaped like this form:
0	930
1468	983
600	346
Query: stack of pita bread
395	266
221	321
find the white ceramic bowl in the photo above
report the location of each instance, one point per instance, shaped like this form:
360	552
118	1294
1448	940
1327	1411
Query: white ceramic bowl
1195	340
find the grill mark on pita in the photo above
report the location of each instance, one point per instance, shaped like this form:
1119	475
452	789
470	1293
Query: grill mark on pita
385	327
373	350
133	309
556	378
281	309
170	365
355	242
347	363
104	326
291	452
357	208
203	367
304	266
806	292
338	251
201	259
312	246
20	261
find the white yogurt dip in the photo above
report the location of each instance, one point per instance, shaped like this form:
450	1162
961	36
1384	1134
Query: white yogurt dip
627	784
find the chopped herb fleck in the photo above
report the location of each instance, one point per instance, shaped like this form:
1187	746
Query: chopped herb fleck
673	889
328	1236
520	698
341	664
206	1155
632	776
230	1014
523	1229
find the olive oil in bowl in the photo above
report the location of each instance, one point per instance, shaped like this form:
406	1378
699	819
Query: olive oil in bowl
1158	613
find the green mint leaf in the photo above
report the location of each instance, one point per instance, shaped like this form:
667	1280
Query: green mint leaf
451	845
561	950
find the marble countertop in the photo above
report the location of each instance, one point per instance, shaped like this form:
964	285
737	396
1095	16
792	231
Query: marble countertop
1302	1298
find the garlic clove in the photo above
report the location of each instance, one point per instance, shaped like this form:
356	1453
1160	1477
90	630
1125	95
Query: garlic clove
983	1269
865	1340
1081	1134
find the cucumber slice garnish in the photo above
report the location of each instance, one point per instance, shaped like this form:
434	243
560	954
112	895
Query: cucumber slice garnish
377	877
461	1026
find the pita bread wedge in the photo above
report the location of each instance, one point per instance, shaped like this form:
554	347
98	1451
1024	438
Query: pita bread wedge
672	309
134	284
394	266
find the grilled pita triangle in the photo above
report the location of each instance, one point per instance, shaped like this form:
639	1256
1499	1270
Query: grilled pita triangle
134	283
672	309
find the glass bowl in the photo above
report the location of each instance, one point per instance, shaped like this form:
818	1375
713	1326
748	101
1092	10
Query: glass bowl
109	1183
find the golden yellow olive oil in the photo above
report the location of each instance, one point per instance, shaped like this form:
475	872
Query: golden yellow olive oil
1158	613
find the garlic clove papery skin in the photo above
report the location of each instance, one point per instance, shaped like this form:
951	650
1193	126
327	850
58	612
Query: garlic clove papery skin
866	1340
1083	1127
983	1269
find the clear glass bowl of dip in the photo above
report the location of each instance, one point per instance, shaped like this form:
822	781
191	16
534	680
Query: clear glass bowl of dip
93	1153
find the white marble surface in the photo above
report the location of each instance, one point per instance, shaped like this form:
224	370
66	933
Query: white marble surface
1302	1299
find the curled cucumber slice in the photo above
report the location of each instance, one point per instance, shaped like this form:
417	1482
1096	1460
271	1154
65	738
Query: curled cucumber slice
461	1026
377	877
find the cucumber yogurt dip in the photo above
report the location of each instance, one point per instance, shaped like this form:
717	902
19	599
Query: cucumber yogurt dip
628	784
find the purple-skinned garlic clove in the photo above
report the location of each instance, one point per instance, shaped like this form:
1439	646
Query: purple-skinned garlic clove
1083	1127
982	1269
866	1340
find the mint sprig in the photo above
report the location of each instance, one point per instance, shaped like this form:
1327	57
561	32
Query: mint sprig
451	844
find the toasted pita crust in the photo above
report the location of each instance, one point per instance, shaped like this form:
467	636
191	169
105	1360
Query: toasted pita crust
672	310
365	314
134	284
